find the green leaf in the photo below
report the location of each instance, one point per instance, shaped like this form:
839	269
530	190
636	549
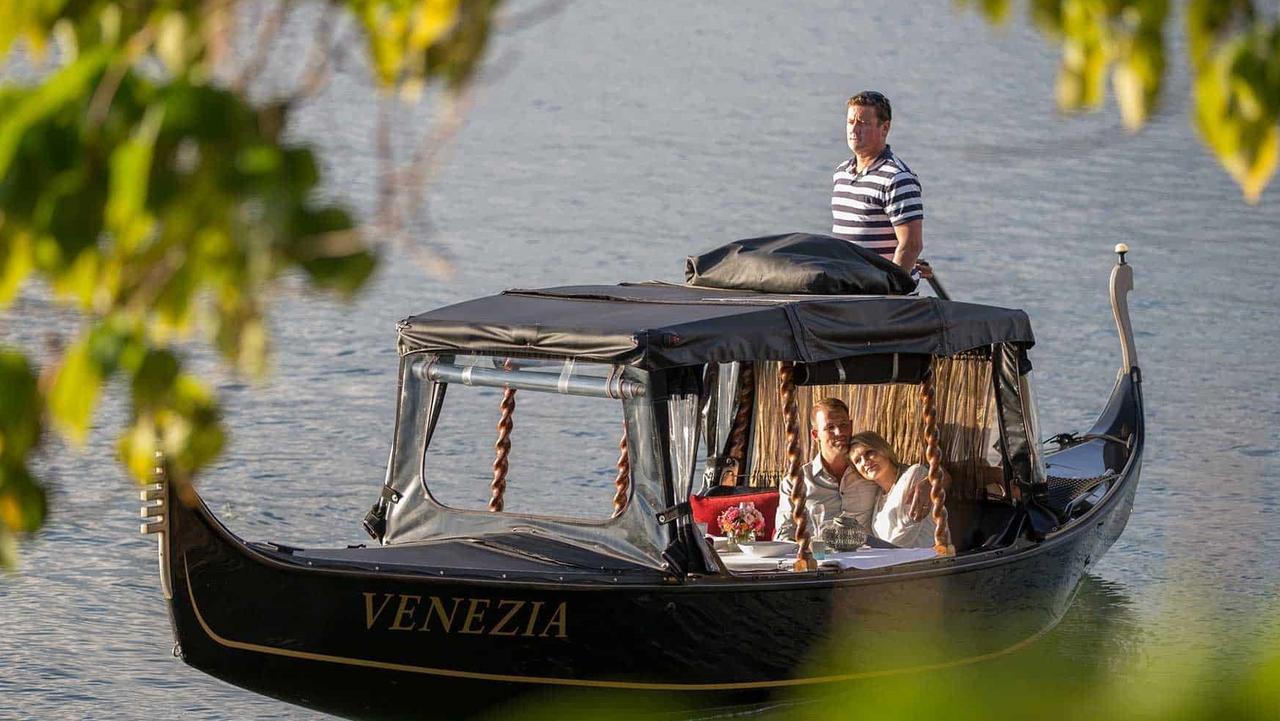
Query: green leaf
79	280
996	11
126	211
1261	689
8	550
12	21
75	390
1209	21
260	159
1237	106
173	39
68	86
206	436
1082	74
137	447
333	255
245	341
181	420
300	170
1047	15
1137	80
457	56
412	41
432	19
345	274
154	379
17	260
31	19
154	198
93	358
20	407
22	501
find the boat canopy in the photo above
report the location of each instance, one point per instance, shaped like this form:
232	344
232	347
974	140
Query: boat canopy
834	317
657	325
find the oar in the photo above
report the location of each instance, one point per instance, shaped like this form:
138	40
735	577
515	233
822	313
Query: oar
936	284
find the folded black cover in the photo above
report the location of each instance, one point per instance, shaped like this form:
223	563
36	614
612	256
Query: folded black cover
797	263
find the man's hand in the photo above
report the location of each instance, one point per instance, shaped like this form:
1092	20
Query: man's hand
924	269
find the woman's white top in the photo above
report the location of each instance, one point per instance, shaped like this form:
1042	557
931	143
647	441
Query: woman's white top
893	523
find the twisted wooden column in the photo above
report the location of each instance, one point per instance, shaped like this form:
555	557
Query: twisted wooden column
933	454
736	458
502	449
622	484
799	510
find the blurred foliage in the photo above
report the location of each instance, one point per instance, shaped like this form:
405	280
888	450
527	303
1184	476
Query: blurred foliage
144	187
1102	663
1233	50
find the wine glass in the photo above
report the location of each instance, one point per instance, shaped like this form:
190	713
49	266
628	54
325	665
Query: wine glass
816	515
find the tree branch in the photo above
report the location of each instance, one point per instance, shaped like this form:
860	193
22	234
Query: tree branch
268	31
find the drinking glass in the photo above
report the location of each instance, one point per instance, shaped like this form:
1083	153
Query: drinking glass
817	514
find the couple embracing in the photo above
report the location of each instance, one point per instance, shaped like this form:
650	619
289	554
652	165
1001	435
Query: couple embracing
859	474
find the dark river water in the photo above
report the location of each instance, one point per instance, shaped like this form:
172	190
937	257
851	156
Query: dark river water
612	139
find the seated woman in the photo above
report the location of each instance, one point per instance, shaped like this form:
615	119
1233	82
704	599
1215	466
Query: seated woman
901	512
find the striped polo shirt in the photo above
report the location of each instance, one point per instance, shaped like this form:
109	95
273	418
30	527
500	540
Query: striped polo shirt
865	206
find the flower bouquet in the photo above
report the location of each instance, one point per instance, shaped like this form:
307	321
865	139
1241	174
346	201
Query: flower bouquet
741	523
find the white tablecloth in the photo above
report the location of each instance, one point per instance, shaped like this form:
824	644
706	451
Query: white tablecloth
864	559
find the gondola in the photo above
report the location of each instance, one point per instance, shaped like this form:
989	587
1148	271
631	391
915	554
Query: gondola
695	393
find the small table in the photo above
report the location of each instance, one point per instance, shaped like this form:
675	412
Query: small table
863	559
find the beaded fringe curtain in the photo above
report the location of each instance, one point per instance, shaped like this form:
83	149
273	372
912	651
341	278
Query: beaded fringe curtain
966	414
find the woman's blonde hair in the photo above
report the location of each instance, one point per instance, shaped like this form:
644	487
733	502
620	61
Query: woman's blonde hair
875	442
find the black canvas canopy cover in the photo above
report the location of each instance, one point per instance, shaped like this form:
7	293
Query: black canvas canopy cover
657	325
662	325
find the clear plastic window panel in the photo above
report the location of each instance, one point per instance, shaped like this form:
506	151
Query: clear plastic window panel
564	438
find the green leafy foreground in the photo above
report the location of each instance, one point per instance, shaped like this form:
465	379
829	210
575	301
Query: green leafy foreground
147	192
1233	56
1183	667
144	189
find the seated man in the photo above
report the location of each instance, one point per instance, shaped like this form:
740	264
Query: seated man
832	485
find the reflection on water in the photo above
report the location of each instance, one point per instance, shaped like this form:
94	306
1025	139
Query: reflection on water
627	136
1100	632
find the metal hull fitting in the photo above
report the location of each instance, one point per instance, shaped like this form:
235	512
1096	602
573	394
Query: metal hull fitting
367	642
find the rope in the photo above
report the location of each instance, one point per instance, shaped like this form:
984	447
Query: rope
738	434
933	453
502	449
622	484
799	511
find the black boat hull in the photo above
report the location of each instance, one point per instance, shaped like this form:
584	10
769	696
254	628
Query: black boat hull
374	643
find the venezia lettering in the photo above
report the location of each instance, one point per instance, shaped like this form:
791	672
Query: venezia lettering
469	616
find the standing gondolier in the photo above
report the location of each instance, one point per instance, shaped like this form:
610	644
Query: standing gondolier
875	198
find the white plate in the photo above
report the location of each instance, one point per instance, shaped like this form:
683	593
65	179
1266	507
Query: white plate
768	549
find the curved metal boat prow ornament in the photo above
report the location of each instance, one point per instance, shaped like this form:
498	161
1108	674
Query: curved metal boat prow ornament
1121	285
452	611
155	511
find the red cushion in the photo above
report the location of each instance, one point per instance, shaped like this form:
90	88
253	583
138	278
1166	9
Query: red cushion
707	510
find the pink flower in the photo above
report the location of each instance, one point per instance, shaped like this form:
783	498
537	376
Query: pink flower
741	520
